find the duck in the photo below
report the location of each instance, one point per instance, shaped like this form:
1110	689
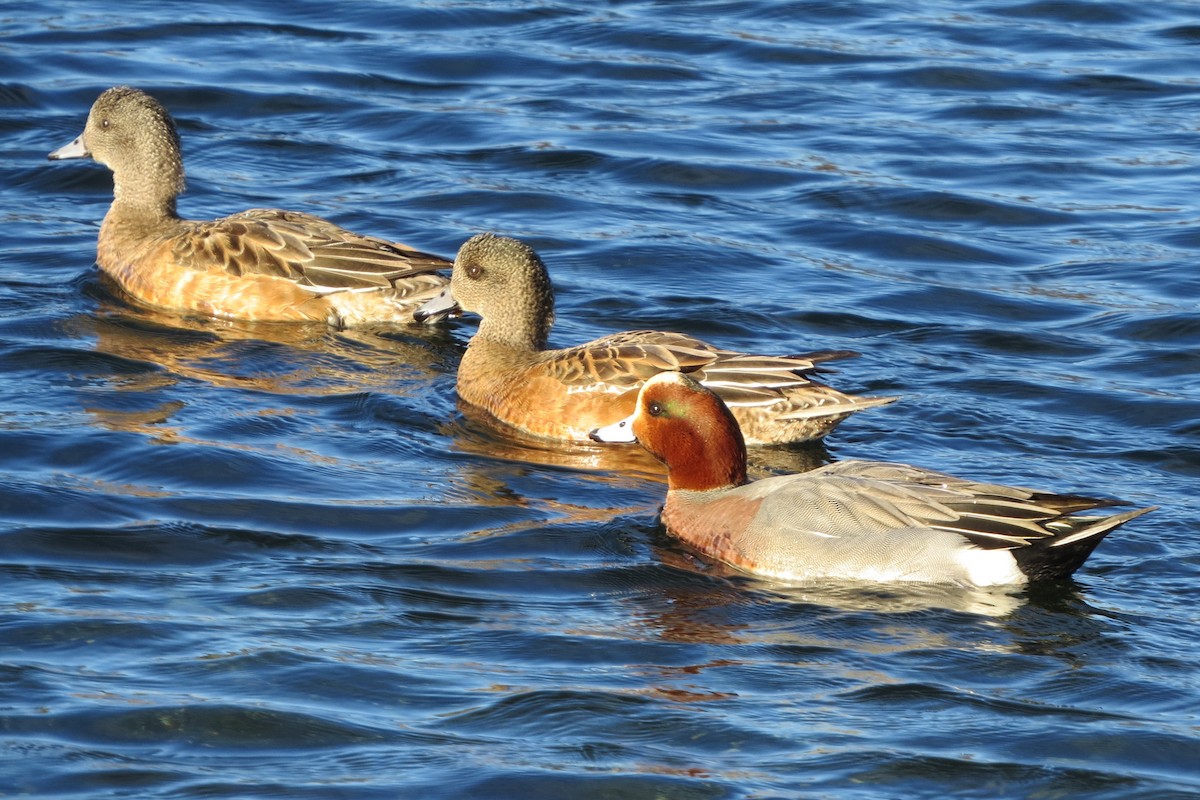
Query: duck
262	264
850	520
510	373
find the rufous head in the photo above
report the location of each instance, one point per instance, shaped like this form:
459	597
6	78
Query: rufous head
688	428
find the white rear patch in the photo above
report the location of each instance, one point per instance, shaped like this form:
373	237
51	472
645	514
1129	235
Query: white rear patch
991	567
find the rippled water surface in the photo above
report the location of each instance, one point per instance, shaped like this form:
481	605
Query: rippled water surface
252	561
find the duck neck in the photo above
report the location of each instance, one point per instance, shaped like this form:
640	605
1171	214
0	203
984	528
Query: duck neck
525	327
711	468
711	456
142	201
148	188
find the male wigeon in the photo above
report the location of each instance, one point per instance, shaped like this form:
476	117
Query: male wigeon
563	394
262	264
858	520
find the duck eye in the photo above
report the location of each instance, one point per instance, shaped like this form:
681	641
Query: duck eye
474	271
655	409
104	123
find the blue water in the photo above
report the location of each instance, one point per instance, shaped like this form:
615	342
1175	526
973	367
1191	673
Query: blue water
245	561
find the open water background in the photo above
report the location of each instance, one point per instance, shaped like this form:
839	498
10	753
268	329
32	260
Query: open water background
245	562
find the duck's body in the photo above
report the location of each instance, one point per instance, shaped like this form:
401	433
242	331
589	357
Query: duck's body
885	522
263	264
509	372
564	394
856	520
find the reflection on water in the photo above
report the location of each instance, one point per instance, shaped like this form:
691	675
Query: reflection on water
478	434
902	599
274	358
151	423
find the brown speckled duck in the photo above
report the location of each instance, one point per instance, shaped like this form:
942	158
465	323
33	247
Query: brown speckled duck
262	264
563	394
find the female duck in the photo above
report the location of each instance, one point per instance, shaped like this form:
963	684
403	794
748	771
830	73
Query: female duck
863	520
563	394
263	264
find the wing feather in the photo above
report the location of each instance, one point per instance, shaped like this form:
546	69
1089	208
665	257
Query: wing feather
872	497
301	248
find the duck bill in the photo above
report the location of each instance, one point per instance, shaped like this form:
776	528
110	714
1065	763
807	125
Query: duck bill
617	432
75	149
438	307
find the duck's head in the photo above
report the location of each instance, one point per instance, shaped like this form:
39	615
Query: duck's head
688	428
505	282
132	134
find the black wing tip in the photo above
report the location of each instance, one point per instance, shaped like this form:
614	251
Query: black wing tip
1051	559
821	356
